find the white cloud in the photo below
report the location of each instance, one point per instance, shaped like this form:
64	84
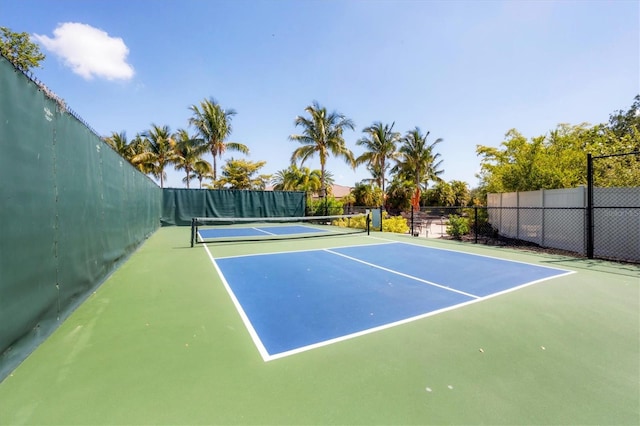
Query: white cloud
89	52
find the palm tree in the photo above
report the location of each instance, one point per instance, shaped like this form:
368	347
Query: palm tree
380	144
298	179
241	174
322	133
203	169
214	125
367	195
119	143
188	151
140	145
416	160
159	151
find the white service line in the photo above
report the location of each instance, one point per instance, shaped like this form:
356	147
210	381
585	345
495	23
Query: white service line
403	274
263	231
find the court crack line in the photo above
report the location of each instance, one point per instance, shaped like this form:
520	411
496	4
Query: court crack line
404	275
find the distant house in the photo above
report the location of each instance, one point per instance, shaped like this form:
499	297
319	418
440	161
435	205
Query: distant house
340	191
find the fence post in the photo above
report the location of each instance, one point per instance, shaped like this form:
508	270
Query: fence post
475	223
589	212
517	215
543	204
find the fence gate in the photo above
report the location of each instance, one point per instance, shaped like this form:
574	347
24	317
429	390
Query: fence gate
613	212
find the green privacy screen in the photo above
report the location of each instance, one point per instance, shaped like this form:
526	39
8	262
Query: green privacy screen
71	210
180	205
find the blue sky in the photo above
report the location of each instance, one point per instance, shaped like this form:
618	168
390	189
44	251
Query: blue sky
467	72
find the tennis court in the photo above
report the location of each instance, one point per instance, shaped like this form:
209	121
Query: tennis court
299	300
351	329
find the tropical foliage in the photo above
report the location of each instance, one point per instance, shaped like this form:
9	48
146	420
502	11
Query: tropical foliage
322	134
380	144
20	50
242	174
120	144
417	160
328	205
160	151
454	193
213	124
556	159
367	195
188	150
299	179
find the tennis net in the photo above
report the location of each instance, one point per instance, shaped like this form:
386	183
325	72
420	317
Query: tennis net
230	229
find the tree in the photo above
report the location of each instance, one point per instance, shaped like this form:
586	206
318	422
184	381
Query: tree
348	200
203	169
297	179
120	144
213	123
240	174
138	146
399	194
624	123
188	150
559	160
322	134
441	194
461	192
380	144
159	151
367	195
417	162
518	166
20	50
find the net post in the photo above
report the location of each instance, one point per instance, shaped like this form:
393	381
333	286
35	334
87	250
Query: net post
368	223
412	233
193	233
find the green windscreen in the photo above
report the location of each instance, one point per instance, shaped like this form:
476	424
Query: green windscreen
71	210
180	205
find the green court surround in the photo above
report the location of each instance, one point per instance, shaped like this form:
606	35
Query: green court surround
161	343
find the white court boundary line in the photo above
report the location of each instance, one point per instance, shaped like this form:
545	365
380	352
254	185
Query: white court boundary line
475	299
245	319
387	241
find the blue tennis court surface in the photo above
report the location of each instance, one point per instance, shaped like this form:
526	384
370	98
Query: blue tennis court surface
257	231
299	300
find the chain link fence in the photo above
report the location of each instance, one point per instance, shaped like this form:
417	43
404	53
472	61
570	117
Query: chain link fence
613	207
601	220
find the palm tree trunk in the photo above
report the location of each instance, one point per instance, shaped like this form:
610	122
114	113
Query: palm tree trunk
215	167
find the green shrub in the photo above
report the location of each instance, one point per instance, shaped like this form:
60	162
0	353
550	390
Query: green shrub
358	222
324	207
458	226
396	224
